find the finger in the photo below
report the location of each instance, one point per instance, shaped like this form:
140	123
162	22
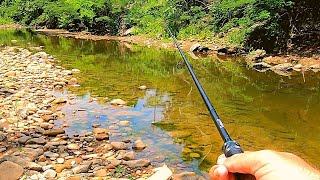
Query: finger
221	159
219	172
246	163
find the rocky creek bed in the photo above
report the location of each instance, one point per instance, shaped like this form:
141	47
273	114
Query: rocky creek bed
32	148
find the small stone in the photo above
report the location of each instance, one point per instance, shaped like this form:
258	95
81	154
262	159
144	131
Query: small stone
137	163
101	173
96	125
73	146
54	132
115	162
60	167
100	131
40	140
73	81
81	169
138	145
143	87
51	154
59	101
101	137
60	160
119	145
128	156
118	102
10	170
185	175
50	173
23	140
124	123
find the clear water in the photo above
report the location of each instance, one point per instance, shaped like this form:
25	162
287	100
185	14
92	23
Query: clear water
260	110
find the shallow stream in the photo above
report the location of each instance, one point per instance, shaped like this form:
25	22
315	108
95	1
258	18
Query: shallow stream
260	110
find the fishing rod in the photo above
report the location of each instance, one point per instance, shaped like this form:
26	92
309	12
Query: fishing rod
230	147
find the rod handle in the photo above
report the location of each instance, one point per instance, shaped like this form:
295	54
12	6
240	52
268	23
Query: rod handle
231	148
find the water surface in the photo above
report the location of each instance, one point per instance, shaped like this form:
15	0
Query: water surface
260	110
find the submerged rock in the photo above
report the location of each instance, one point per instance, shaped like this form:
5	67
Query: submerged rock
118	102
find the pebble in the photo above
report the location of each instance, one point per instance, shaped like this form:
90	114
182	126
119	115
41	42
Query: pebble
50	173
73	146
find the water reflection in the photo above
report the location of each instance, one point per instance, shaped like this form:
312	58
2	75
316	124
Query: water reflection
260	110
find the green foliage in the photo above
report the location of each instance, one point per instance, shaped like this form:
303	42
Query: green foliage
236	20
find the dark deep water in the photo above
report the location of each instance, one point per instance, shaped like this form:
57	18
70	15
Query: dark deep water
260	110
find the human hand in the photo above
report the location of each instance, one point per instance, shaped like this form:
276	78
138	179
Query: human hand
263	165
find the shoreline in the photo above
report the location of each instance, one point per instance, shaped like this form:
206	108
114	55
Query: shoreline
258	60
31	144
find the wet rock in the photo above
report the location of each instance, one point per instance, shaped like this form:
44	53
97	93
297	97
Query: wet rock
54	132
118	102
138	145
50	174
10	171
119	145
40	140
137	163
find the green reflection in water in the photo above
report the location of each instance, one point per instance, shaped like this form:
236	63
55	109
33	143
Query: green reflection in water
260	110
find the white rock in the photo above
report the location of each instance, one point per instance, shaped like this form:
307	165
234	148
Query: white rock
162	173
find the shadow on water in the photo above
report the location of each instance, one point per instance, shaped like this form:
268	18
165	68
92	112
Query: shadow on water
260	110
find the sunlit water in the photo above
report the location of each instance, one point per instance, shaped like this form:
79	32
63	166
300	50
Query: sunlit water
260	110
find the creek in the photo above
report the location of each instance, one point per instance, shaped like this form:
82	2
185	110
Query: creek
260	110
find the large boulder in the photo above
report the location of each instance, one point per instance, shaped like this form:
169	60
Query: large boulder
10	171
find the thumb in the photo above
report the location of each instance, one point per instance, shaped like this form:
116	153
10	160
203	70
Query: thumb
245	163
